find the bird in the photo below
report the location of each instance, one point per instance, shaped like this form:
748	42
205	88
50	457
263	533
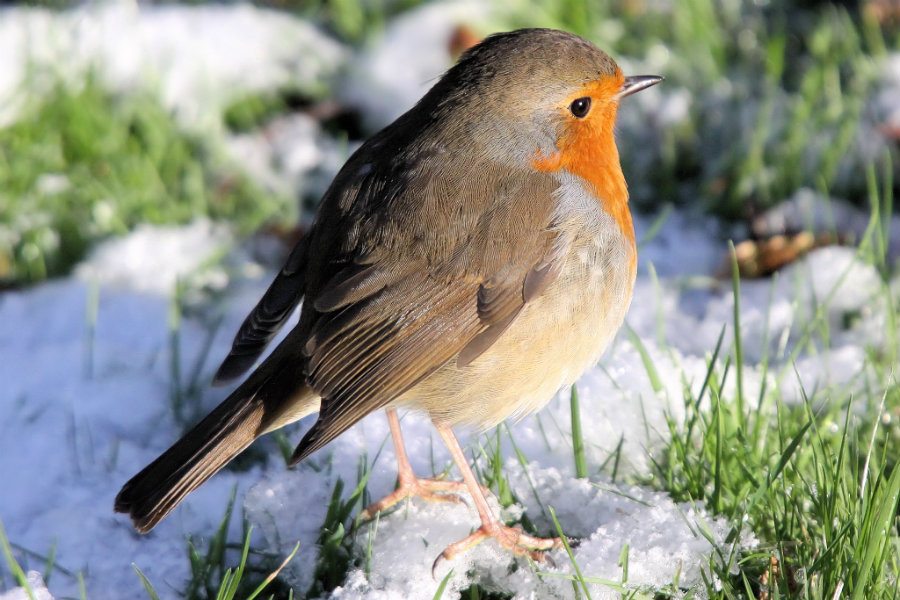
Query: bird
467	261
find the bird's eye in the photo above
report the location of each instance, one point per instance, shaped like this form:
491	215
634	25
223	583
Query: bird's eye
580	107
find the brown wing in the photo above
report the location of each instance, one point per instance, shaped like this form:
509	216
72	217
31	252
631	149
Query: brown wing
425	264
267	317
502	297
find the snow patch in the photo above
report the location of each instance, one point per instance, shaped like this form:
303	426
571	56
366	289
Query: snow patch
388	77
37	590
200	58
663	540
154	258
107	400
291	155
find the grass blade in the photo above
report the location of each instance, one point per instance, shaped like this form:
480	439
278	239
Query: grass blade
271	576
581	470
439	593
13	565
579	576
148	587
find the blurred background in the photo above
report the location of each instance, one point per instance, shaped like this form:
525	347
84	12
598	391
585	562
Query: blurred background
118	114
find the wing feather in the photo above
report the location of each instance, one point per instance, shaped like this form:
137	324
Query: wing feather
267	318
403	352
417	263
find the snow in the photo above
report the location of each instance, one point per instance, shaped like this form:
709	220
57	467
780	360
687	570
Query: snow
290	155
36	584
885	103
606	517
685	244
85	431
72	434
657	532
382	91
178	252
199	58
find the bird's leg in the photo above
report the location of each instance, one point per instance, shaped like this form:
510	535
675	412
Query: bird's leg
408	484
511	538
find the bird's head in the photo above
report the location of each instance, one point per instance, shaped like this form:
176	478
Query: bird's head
539	97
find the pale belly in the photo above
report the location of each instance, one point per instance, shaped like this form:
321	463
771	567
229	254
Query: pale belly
555	338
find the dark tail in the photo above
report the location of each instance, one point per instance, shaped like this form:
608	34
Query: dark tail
269	399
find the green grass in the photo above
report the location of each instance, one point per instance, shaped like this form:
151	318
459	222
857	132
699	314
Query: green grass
816	485
776	99
83	164
351	20
815	481
13	565
334	543
214	575
577	437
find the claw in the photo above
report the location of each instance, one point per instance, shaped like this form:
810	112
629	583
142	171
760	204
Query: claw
434	566
432	490
510	538
548	558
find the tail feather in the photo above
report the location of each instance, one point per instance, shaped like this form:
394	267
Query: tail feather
261	404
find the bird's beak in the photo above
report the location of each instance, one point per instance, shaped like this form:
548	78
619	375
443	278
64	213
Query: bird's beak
636	83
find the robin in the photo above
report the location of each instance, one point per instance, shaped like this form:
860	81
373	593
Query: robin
468	261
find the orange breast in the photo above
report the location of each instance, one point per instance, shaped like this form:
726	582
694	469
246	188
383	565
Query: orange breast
587	149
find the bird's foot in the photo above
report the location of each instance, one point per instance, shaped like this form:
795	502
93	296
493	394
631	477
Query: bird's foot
432	490
511	538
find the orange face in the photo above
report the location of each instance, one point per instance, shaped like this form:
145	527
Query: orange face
587	147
